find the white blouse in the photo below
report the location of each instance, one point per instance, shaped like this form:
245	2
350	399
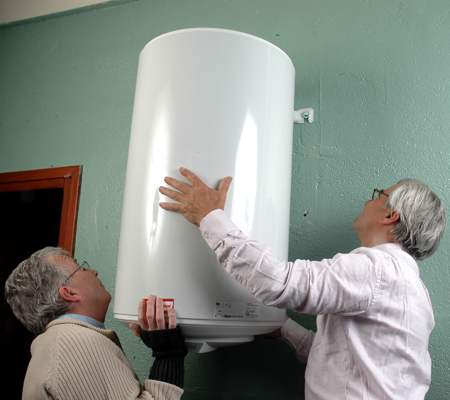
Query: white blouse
374	314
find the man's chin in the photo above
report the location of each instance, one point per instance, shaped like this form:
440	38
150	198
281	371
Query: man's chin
108	297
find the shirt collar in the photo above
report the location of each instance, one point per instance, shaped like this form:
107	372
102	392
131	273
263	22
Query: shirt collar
395	250
84	318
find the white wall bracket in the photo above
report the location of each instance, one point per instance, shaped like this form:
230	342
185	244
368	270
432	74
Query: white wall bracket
304	114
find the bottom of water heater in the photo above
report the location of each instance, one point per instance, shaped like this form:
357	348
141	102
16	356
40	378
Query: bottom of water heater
203	335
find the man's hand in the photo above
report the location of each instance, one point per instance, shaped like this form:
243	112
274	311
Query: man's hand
151	316
194	200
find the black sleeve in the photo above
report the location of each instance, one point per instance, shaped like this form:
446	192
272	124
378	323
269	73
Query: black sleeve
169	351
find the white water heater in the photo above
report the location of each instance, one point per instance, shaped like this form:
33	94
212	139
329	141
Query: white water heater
220	103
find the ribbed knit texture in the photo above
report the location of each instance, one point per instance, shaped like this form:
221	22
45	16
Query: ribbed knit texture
170	369
169	351
73	360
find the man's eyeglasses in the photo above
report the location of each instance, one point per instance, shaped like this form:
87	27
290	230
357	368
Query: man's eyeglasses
376	194
83	266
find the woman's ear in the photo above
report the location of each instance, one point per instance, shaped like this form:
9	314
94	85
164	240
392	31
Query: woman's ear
391	217
69	294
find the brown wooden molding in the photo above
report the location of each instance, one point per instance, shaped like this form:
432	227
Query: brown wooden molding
66	178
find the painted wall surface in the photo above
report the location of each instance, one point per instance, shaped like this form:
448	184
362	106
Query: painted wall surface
377	73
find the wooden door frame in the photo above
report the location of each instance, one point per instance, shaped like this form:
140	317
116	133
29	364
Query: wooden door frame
66	178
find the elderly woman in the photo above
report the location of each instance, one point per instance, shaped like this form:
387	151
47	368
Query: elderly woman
374	312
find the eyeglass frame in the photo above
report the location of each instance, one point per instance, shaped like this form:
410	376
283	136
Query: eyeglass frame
84	266
380	192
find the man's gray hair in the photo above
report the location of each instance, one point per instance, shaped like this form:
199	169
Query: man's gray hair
32	289
423	217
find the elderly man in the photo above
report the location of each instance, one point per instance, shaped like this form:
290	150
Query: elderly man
374	312
74	356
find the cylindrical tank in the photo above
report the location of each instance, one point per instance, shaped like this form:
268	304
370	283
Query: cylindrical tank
220	103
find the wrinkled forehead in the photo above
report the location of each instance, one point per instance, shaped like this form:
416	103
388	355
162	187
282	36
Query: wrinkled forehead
392	188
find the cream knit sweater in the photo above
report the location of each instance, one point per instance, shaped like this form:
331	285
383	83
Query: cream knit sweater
73	360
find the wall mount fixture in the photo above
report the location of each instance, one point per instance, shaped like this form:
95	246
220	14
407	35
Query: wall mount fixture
304	114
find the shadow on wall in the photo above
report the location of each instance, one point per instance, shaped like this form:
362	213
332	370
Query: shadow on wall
317	243
265	369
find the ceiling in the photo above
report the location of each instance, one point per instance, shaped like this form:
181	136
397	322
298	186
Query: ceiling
18	10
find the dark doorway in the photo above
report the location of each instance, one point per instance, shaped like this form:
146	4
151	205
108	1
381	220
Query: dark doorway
34	207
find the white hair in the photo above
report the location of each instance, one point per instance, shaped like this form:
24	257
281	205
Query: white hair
32	289
423	217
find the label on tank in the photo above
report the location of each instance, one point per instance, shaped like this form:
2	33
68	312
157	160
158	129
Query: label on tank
234	309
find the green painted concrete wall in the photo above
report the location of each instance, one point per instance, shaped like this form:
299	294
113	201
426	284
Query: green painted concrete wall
377	73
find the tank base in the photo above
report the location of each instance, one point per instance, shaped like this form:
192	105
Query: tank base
203	336
205	345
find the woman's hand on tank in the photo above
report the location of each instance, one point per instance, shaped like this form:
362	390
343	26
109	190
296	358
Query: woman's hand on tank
194	200
152	316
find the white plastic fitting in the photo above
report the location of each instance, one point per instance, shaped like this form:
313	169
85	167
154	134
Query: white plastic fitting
304	114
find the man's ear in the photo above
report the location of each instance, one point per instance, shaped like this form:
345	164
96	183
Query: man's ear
69	294
391	217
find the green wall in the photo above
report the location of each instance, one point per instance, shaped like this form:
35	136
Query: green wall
376	72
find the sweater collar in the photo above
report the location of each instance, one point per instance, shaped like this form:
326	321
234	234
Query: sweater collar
110	334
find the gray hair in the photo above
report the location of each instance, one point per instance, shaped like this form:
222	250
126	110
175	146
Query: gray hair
423	218
32	289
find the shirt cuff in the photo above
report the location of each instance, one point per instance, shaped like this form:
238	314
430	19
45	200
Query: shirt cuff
215	226
295	334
